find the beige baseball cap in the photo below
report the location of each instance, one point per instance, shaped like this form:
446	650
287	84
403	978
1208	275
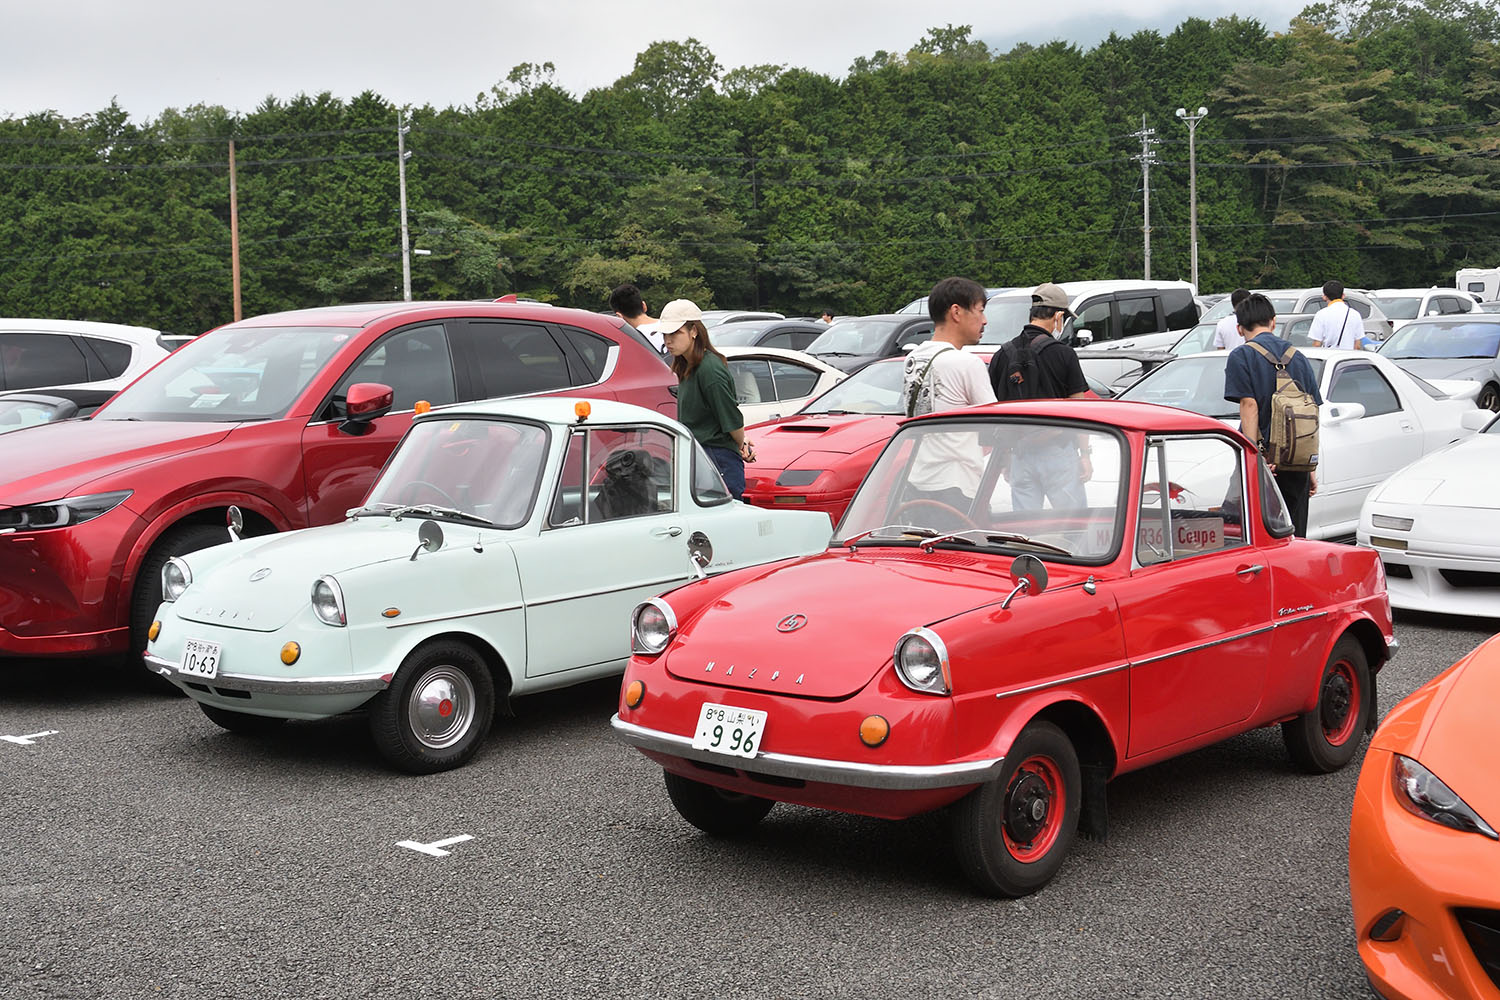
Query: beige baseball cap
676	313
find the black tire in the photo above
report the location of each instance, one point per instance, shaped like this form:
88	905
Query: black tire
437	711
1327	738
241	722
1489	397
1012	834
146	597
713	810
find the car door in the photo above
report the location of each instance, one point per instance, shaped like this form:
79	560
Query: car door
1197	610
339	466
615	535
1356	455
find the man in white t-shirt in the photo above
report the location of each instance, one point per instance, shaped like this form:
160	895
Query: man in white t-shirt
1336	325
1227	330
941	375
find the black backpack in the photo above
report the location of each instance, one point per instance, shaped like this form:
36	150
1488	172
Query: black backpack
1015	373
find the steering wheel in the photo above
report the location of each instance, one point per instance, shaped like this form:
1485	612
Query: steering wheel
922	503
415	483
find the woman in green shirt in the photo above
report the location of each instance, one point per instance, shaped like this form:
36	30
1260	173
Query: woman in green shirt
706	402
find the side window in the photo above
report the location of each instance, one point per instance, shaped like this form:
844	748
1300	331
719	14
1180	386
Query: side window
1192	501
113	355
916	335
708	486
1273	512
593	348
1138	316
610	473
802	338
1181	310
515	359
1361	383
782	340
415	363
1094	317
33	360
1360	306
752	380
793	381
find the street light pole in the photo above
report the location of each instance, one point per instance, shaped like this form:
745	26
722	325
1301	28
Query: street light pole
1192	124
401	129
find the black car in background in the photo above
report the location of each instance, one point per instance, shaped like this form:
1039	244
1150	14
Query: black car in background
787	334
855	341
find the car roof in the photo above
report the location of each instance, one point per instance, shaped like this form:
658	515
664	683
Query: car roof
557	410
1457	319
800	357
361	314
137	334
1415	291
1077	289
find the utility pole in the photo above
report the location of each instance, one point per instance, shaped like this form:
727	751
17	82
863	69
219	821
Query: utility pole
401	129
1147	157
234	234
1192	124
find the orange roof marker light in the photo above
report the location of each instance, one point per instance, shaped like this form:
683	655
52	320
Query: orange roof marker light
582	409
422	406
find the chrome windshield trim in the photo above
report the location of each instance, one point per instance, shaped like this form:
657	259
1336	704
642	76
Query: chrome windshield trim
834	772
269	685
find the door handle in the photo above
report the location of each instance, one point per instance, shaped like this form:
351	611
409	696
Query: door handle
671	532
1252	570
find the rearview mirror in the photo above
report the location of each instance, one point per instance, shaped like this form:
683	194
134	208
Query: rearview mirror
1476	419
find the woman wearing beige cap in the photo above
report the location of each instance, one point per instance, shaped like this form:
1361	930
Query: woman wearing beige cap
706	402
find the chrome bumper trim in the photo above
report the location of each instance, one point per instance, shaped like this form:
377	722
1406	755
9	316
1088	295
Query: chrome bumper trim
269	685
833	772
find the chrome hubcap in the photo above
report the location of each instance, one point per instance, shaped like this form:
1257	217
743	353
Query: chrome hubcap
441	709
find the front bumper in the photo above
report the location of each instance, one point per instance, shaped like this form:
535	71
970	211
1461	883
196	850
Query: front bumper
888	777
1432	576
252	684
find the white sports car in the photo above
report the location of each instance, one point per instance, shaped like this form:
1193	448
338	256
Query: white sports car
1436	525
771	382
1376	418
500	553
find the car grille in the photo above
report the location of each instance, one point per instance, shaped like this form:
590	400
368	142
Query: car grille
1470	578
1482	928
1398	570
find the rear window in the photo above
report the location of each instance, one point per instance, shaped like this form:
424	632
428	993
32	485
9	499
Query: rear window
113	355
1180	309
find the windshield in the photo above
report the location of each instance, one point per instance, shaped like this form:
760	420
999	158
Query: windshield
873	389
1195	384
1199	338
231	374
854	337
467	469
742	334
1443	340
1015	485
1399	306
1004	315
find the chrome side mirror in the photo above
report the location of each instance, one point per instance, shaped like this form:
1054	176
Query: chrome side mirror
429	539
236	520
1029	574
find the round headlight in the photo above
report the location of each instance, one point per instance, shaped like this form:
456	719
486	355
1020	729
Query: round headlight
328	602
922	662
175	578
652	627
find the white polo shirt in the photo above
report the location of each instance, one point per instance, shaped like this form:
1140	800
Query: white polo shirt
1336	325
1227	333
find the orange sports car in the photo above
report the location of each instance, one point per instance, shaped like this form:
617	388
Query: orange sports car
1424	854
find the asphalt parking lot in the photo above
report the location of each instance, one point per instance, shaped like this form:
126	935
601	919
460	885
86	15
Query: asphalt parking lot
147	853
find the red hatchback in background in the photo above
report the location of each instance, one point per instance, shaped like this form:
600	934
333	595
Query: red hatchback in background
289	416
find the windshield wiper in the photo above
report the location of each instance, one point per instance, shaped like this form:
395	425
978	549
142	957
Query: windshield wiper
433	510
991	537
905	529
373	508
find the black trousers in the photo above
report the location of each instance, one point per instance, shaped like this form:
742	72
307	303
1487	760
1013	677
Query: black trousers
1294	488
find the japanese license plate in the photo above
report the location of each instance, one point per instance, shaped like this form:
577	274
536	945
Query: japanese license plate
727	730
200	659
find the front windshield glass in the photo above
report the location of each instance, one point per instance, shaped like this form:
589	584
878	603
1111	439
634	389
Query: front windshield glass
468	469
1004	315
1051	488
1195	384
1442	340
873	389
742	334
232	374
1199	338
1399	306
853	337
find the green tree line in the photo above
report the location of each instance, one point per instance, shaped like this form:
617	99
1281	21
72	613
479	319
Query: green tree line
1363	144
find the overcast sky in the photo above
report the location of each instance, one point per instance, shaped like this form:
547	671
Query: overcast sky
74	56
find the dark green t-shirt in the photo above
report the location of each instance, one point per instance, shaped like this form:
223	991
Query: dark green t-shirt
706	404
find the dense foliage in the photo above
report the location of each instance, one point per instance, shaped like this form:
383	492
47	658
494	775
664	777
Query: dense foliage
1363	144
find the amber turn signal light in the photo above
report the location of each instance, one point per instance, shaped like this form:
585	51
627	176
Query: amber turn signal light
422	406
153	631
635	693
290	652
874	730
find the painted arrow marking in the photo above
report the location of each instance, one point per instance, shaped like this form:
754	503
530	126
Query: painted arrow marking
26	741
436	847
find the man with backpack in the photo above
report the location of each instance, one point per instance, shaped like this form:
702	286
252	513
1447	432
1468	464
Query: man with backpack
1053	465
1278	395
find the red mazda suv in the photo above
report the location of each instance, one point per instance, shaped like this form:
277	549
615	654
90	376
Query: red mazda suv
289	416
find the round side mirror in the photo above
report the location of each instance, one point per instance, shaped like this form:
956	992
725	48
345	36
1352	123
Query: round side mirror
1031	571
236	521
429	538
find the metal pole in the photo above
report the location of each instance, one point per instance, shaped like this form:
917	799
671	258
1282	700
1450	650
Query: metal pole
1147	157
402	154
1192	124
234	234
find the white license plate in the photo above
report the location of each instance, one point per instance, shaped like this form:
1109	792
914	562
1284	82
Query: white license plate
728	730
200	659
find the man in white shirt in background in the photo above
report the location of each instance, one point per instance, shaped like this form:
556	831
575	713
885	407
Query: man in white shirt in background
627	304
1227	330
1336	325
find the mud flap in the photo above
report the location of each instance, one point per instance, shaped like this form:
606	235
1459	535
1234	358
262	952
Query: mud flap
1093	816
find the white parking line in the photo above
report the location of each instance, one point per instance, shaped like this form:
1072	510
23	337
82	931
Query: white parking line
26	741
435	848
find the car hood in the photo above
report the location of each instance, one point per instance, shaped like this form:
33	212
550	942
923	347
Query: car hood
778	444
1440	368
285	567
855	608
56	460
1459	475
